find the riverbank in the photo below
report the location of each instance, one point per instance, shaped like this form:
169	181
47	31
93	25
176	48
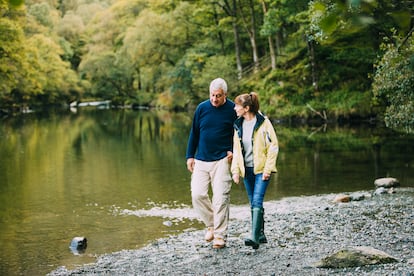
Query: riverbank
300	231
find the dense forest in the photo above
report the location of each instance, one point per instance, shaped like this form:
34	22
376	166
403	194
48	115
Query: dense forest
328	59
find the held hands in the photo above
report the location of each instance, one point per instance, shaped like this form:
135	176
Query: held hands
190	164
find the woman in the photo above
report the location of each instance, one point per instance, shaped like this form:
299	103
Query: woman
255	150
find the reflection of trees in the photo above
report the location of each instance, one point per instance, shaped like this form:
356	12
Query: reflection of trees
331	152
142	125
147	134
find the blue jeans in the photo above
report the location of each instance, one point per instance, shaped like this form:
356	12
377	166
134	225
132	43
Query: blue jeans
255	187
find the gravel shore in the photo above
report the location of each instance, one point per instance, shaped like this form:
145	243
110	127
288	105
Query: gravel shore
300	231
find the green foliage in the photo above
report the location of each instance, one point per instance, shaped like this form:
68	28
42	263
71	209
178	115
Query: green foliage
166	52
216	67
49	78
11	55
394	83
16	3
41	12
71	27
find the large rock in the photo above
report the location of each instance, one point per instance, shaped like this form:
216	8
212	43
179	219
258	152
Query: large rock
387	182
355	257
78	245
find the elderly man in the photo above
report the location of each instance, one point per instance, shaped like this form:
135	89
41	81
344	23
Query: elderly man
209	154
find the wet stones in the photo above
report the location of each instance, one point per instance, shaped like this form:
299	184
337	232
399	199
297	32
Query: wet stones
356	257
384	185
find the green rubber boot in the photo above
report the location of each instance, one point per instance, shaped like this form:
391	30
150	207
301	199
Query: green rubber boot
262	236
257	219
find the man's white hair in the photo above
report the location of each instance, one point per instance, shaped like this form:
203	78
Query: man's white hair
217	84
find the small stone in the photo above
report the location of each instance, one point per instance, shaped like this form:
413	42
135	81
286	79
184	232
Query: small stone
387	182
380	191
391	190
342	198
357	197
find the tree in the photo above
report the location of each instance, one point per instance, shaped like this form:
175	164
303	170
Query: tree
251	28
269	34
12	58
48	78
394	83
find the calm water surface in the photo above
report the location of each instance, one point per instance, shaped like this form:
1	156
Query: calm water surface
79	174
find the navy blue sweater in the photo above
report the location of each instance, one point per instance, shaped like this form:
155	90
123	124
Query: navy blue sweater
211	133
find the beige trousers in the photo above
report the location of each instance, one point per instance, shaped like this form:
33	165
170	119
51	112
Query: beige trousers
214	213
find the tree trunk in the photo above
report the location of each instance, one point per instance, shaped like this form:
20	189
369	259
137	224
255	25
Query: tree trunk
252	35
216	21
271	43
313	65
233	13
251	31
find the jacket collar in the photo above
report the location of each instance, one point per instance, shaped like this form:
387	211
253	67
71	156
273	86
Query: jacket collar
239	122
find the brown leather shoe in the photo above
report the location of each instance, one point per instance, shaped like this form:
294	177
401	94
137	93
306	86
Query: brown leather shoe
219	243
209	235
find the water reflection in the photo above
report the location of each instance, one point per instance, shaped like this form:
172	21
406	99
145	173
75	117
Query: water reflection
115	177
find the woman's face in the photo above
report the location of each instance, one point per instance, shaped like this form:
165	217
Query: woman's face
240	110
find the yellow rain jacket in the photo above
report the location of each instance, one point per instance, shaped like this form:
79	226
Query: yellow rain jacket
265	147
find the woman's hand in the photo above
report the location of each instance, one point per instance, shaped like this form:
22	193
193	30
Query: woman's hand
266	176
236	178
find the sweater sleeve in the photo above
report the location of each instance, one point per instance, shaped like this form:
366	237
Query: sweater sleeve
193	137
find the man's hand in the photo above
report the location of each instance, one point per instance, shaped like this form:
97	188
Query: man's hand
229	156
190	164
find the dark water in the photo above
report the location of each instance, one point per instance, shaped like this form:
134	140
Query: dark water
80	174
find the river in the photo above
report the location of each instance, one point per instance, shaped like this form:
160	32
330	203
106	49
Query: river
118	178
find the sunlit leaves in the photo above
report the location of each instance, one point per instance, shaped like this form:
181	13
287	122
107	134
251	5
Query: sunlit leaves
11	55
107	63
71	27
88	11
52	75
42	13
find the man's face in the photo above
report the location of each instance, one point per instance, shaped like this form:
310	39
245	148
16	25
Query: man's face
217	97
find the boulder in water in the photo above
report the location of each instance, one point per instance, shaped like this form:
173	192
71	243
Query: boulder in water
78	245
